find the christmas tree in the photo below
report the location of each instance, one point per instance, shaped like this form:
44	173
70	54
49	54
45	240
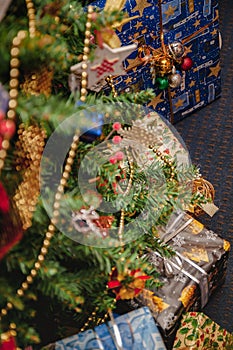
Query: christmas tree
84	184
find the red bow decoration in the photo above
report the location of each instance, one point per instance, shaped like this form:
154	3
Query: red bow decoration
128	285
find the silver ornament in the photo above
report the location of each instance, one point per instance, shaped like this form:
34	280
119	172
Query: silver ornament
174	80
176	49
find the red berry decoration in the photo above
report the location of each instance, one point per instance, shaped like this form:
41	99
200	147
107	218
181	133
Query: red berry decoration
119	155
187	63
116	126
7	128
113	160
116	139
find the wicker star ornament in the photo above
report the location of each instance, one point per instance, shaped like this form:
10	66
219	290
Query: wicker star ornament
107	62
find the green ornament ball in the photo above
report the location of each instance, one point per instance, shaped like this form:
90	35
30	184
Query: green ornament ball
162	83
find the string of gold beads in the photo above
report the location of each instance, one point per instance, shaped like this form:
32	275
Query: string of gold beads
166	161
51	228
131	168
13	93
92	317
14	74
86	51
121	227
109	80
31	18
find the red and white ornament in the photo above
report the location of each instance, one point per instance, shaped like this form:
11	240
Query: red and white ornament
107	62
7	128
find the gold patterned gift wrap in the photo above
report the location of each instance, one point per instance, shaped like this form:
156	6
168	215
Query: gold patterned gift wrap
198	332
189	277
177	54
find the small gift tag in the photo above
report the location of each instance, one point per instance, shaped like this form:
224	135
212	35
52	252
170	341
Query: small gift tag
209	208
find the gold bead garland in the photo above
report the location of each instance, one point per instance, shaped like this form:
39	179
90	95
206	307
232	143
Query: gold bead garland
13	93
129	186
86	51
92	318
110	82
50	231
166	161
31	17
14	74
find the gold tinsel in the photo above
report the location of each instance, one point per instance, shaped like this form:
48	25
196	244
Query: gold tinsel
187	295
29	149
153	302
39	82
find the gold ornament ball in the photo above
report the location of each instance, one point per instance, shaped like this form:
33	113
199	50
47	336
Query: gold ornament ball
163	65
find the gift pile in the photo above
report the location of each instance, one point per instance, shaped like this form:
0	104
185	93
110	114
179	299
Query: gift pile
144	175
190	276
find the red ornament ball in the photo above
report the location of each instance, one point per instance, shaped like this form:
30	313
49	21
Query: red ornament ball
2	115
7	128
187	63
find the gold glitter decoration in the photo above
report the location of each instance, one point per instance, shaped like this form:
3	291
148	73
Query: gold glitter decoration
197	254
29	149
226	246
39	82
196	226
187	295
154	303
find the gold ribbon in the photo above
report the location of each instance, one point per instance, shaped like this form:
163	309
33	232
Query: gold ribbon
108	34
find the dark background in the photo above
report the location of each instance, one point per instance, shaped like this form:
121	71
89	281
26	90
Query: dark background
208	135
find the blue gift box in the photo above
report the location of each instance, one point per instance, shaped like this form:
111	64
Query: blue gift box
135	330
194	23
82	341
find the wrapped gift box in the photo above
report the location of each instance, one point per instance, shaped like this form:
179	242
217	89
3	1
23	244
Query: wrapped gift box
196	25
135	330
198	332
189	277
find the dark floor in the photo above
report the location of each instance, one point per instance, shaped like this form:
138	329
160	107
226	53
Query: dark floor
208	134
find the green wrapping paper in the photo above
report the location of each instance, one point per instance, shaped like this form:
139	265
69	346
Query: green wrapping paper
198	332
189	277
